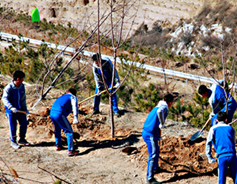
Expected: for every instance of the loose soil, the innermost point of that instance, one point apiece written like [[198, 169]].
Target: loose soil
[[102, 159]]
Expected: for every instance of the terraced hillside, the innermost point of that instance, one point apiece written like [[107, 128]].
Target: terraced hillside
[[83, 12]]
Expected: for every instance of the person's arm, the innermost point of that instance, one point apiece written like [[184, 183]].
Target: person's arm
[[213, 101], [74, 103], [209, 146], [161, 115], [98, 81], [6, 96]]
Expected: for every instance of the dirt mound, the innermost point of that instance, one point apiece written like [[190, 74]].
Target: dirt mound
[[181, 154], [178, 155]]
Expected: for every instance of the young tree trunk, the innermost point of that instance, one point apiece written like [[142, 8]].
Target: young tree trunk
[[111, 115]]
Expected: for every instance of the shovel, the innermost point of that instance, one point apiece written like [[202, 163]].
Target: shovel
[[199, 133]]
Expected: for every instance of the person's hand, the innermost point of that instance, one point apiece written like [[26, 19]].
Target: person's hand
[[212, 160], [161, 126], [117, 85], [98, 93], [75, 120], [14, 110]]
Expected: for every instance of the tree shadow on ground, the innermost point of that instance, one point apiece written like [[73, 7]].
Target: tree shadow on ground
[[188, 174], [120, 142], [43, 144]]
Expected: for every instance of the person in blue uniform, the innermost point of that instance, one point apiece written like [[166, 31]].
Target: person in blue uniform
[[59, 111], [107, 67], [218, 101], [151, 134], [14, 99], [222, 136]]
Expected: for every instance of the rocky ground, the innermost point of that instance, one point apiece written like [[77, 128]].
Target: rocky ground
[[102, 159]]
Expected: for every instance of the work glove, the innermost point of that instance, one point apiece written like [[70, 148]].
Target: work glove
[[98, 93], [211, 115], [161, 126], [212, 160], [116, 85], [14, 110], [75, 120]]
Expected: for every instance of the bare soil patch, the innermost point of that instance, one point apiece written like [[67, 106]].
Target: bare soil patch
[[102, 159]]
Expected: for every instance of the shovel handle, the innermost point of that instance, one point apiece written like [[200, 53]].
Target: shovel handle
[[205, 125], [24, 112], [93, 96], [232, 122]]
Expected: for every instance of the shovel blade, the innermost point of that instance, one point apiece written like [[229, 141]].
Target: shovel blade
[[196, 135]]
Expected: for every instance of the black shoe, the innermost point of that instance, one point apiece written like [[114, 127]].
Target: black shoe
[[157, 170], [23, 141], [95, 112], [117, 114], [152, 181]]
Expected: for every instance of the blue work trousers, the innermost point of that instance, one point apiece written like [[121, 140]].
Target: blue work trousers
[[153, 151], [223, 164], [13, 118], [114, 101], [61, 122]]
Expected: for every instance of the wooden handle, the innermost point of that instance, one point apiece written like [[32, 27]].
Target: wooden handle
[[21, 112], [205, 125], [24, 112], [93, 96]]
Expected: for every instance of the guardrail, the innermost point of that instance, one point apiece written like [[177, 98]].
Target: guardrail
[[187, 76]]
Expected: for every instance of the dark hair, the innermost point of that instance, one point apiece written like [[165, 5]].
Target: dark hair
[[202, 89], [168, 97], [18, 74], [73, 91], [96, 57], [222, 116]]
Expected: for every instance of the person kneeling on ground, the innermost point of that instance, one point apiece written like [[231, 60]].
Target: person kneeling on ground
[[222, 136], [59, 111], [152, 134]]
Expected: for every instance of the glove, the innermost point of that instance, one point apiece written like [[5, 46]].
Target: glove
[[161, 126], [211, 115], [75, 120], [14, 110], [117, 85], [98, 93], [212, 160]]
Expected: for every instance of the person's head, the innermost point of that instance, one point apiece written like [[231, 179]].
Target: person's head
[[169, 98], [203, 91], [18, 77], [222, 116], [72, 91], [96, 58]]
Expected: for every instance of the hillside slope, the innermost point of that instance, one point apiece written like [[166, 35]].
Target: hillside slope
[[81, 12]]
